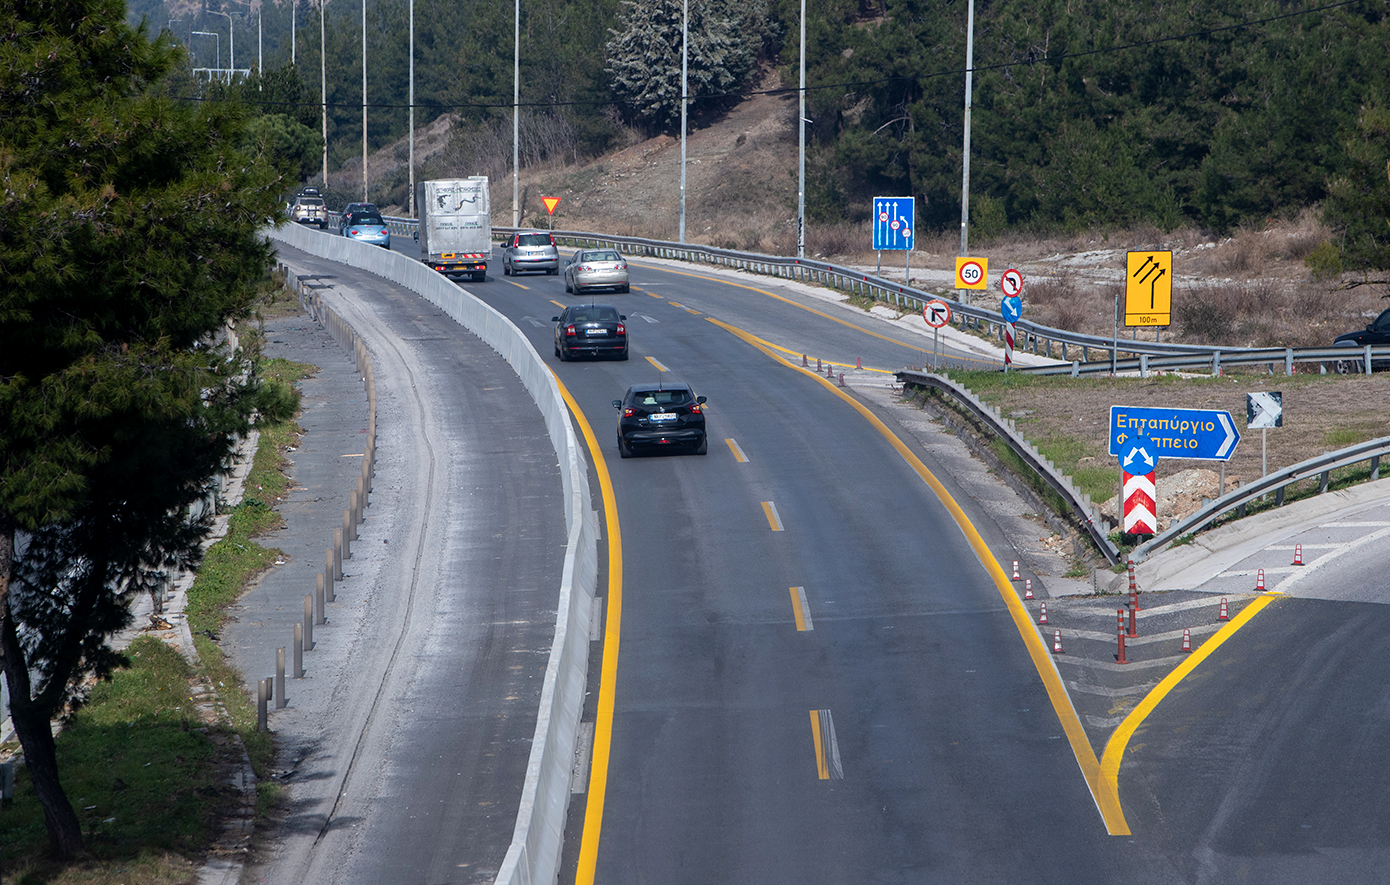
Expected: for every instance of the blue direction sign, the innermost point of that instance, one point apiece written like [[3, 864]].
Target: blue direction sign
[[1173, 433], [1011, 308], [893, 223]]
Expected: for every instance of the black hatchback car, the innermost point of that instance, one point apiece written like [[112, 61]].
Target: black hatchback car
[[658, 416], [592, 330]]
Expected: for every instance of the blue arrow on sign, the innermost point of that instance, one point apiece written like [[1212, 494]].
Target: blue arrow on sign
[[1011, 308], [1173, 433]]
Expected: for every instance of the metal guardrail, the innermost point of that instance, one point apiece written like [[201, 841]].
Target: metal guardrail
[[1029, 336], [1344, 359], [1084, 510], [1321, 467]]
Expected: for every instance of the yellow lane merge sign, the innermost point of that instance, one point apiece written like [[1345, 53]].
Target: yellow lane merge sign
[[1149, 289]]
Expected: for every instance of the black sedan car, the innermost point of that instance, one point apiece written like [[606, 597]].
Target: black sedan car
[[660, 416], [590, 330]]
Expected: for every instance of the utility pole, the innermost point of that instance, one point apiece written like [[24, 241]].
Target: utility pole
[[685, 47]]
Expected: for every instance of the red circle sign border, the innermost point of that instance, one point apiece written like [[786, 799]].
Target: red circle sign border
[[927, 313]]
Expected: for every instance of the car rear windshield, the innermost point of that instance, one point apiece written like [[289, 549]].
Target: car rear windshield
[[595, 315], [662, 397], [364, 218], [534, 240], [603, 256], [310, 201]]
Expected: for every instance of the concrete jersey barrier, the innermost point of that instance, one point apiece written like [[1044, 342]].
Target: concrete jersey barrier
[[537, 840]]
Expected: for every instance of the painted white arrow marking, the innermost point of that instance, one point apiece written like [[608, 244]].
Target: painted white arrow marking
[[1230, 434]]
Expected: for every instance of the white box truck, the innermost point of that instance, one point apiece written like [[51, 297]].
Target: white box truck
[[455, 230]]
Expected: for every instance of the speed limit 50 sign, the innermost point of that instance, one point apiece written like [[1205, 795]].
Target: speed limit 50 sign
[[972, 273]]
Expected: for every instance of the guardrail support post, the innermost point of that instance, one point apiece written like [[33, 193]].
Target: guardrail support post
[[1143, 365], [1288, 361], [1375, 468]]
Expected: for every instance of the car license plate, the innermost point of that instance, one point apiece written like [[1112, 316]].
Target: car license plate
[[596, 332], [663, 416]]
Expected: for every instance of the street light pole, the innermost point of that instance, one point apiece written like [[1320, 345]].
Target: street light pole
[[323, 89], [685, 47], [412, 109], [965, 173], [364, 101], [516, 122], [801, 148]]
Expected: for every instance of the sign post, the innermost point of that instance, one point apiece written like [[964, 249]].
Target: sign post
[[937, 313], [894, 228], [1264, 410], [1139, 491]]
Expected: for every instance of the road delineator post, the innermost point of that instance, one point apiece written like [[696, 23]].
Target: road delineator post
[[1017, 576], [1186, 639], [858, 362], [842, 379], [804, 364], [1133, 587], [1260, 581], [1133, 627], [1042, 613], [819, 367], [1225, 614], [1028, 588], [1120, 635], [1298, 554], [1056, 642]]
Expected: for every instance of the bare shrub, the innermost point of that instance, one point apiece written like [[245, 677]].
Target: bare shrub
[[1304, 234], [1203, 314], [836, 240], [1049, 290], [1245, 252]]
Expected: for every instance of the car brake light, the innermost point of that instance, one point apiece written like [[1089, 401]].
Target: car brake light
[[569, 331], [695, 409], [622, 330], [628, 413], [352, 232]]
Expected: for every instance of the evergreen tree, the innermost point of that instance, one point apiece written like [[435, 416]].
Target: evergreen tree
[[1358, 203], [128, 239], [644, 56]]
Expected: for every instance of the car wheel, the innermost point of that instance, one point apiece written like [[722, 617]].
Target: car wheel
[[553, 271], [506, 269], [567, 285], [625, 288], [323, 225], [703, 447], [623, 450], [623, 355], [479, 277], [560, 352]]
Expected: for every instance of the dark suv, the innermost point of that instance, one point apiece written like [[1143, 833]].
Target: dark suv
[[1377, 333], [659, 416]]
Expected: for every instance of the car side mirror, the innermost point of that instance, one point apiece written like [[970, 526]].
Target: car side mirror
[[617, 404], [555, 319], [622, 316], [701, 400]]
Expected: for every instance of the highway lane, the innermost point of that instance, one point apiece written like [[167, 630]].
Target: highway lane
[[956, 771], [907, 730]]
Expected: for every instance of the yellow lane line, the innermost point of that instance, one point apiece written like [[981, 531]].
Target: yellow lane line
[[608, 674], [738, 452], [822, 769], [518, 285], [659, 366], [1115, 747], [801, 611], [770, 510], [1105, 794], [560, 304]]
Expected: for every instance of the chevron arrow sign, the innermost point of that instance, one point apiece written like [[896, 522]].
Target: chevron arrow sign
[[1141, 504]]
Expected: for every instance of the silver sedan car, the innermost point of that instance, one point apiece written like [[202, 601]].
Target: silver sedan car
[[592, 269]]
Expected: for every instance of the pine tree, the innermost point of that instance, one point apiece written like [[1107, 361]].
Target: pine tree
[[128, 239], [644, 57]]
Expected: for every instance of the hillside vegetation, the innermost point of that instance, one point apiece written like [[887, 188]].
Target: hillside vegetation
[[1085, 114]]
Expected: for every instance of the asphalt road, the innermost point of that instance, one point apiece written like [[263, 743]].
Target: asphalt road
[[903, 734], [406, 746]]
